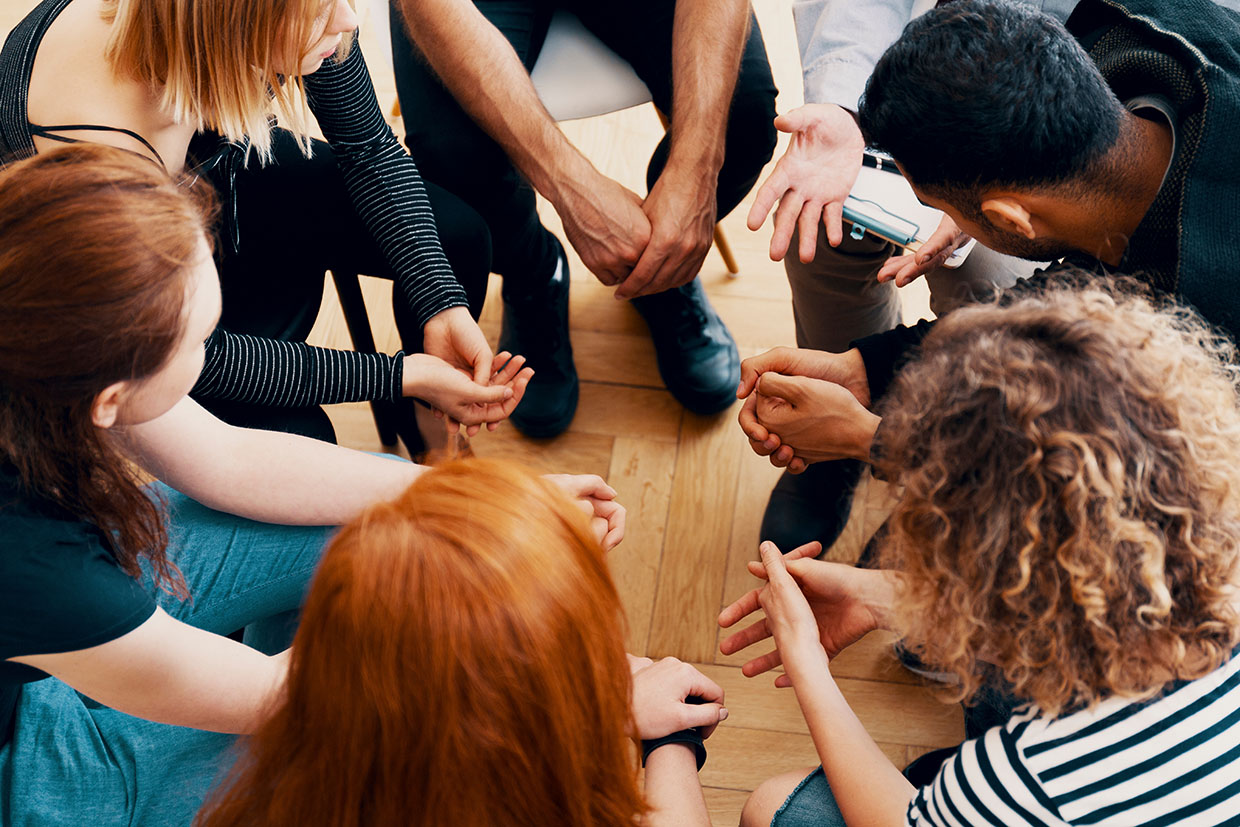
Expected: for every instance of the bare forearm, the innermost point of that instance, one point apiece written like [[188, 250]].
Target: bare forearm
[[707, 41], [262, 475], [673, 791], [868, 789], [483, 72]]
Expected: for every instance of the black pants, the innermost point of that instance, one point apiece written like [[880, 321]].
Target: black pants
[[450, 148], [295, 221]]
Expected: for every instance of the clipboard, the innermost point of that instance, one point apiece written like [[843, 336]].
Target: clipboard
[[883, 204]]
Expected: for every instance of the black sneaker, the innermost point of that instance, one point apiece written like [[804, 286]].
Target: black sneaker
[[536, 327], [697, 355], [812, 505]]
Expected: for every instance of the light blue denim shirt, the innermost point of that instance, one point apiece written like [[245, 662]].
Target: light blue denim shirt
[[841, 40]]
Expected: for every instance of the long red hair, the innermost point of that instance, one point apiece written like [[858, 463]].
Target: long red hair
[[460, 661], [96, 245]]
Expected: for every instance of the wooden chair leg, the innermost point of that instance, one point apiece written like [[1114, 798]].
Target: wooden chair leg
[[725, 250], [357, 320]]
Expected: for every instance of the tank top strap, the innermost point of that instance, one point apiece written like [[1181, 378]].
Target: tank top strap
[[50, 132]]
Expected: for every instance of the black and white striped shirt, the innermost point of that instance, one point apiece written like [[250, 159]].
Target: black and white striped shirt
[[1171, 760]]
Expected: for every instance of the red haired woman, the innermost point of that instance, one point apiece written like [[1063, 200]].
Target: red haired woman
[[460, 661], [196, 86], [119, 590], [1068, 529]]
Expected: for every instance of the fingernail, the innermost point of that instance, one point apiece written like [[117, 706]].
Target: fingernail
[[508, 393], [723, 714], [771, 444]]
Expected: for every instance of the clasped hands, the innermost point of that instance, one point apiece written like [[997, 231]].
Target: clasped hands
[[804, 406], [642, 246]]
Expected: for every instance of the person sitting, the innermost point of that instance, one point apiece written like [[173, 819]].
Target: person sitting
[[461, 661], [195, 87], [1068, 531], [1108, 144], [118, 685], [486, 136]]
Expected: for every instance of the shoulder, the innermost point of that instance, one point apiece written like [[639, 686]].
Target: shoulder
[[60, 587]]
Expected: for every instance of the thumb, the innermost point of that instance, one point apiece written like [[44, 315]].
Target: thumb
[[785, 387], [490, 394], [703, 715], [791, 121]]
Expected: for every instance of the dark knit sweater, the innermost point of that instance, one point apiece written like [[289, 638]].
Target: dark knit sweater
[[1188, 52]]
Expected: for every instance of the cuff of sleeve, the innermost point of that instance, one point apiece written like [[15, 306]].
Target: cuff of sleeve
[[836, 81], [397, 388], [885, 353], [449, 295]]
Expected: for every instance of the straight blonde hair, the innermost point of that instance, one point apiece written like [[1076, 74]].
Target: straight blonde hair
[[215, 61]]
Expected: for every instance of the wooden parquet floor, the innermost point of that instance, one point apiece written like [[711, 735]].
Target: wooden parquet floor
[[694, 492]]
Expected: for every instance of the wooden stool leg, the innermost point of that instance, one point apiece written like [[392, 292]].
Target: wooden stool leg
[[725, 250], [357, 320]]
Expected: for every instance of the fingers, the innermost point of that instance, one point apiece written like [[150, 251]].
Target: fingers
[[641, 275], [788, 388], [833, 221], [757, 433], [743, 606], [810, 549], [613, 516], [762, 663], [807, 225], [785, 222], [773, 561], [751, 634], [703, 717], [767, 195], [505, 367]]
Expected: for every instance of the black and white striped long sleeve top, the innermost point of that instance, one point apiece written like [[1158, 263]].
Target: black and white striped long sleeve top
[[389, 196], [1173, 760]]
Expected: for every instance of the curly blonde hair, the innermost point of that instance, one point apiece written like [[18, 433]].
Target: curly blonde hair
[[1070, 508]]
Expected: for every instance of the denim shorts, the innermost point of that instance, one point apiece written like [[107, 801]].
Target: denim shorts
[[811, 804]]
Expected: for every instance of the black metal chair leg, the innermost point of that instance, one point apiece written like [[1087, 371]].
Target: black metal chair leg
[[357, 320]]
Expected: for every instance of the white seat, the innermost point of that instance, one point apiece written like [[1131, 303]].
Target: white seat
[[577, 76]]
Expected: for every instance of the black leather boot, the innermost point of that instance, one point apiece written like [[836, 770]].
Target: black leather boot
[[812, 505], [536, 327], [697, 355]]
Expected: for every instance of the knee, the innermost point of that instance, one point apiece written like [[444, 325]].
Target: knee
[[765, 801], [751, 123]]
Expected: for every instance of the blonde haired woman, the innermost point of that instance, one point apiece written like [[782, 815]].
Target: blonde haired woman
[[191, 85]]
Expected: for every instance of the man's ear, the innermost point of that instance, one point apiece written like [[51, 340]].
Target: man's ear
[[1010, 214], [107, 405]]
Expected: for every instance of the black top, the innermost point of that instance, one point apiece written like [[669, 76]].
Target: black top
[[1184, 53], [387, 192], [60, 588]]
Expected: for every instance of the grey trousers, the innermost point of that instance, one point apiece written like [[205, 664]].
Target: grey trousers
[[836, 297]]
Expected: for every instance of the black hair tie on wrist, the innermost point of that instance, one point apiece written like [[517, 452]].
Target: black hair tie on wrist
[[691, 737]]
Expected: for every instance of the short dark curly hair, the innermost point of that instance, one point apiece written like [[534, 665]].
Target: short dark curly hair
[[979, 93]]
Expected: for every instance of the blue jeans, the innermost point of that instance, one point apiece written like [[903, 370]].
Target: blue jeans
[[812, 804], [72, 761]]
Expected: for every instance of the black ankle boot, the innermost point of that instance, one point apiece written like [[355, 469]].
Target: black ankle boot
[[696, 353], [536, 327]]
